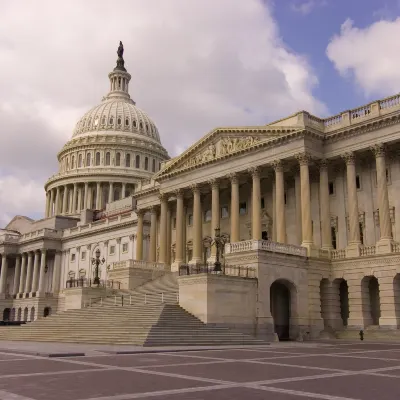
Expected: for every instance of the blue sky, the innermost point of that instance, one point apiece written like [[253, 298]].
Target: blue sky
[[308, 30]]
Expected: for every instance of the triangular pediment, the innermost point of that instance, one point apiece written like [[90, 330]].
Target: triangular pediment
[[219, 144], [20, 224]]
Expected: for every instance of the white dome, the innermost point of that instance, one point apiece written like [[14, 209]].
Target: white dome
[[117, 115]]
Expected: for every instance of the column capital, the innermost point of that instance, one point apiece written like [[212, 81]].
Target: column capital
[[303, 158], [214, 183], [43, 251], [349, 158], [322, 164], [378, 149], [140, 212], [254, 171], [233, 177], [277, 165], [162, 196], [195, 188]]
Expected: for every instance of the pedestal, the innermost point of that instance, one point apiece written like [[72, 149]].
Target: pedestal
[[384, 246], [353, 250]]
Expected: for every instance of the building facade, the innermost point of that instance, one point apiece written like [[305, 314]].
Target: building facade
[[310, 204]]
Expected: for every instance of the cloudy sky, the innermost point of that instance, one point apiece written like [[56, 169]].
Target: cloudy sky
[[195, 65]]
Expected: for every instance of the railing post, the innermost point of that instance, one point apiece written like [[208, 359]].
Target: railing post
[[130, 299]]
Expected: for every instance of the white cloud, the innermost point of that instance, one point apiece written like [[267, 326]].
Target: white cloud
[[369, 57], [307, 6], [195, 65]]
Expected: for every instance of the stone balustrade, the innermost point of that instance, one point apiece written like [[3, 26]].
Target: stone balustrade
[[367, 251], [266, 245], [6, 238], [140, 264]]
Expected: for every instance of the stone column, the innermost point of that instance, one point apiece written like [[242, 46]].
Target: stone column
[[17, 274], [256, 205], [387, 295], [297, 190], [89, 203], [56, 273], [65, 201], [73, 205], [139, 235], [111, 193], [163, 228], [197, 226], [85, 196], [235, 225], [3, 274], [28, 283], [153, 235], [326, 236], [47, 209], [22, 278], [42, 271], [169, 238], [306, 221], [35, 276], [215, 213], [353, 247], [179, 231], [123, 190], [79, 203], [184, 244], [98, 196], [280, 202], [57, 205], [385, 240], [51, 206]]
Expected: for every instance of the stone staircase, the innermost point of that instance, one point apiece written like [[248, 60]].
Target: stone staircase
[[143, 320]]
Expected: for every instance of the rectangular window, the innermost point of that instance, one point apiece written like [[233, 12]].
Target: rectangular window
[[331, 187], [83, 255], [124, 247], [73, 257], [262, 202], [190, 219], [224, 212], [112, 250], [333, 234], [242, 208], [358, 182]]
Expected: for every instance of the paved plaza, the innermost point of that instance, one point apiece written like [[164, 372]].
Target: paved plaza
[[281, 371]]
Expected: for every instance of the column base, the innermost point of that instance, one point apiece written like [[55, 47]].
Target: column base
[[388, 322], [384, 246], [312, 250], [194, 261], [175, 266], [353, 250]]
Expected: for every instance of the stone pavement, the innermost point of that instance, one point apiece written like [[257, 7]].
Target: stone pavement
[[282, 371]]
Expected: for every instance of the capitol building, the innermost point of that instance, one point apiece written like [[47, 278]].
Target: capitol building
[[288, 230]]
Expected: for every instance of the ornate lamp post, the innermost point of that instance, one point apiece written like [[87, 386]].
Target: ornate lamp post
[[218, 242], [96, 261]]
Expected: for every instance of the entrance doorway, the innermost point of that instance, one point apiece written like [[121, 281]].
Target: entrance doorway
[[47, 312], [6, 314], [280, 303]]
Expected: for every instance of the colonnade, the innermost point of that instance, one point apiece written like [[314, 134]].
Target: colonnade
[[73, 198], [29, 273], [305, 219]]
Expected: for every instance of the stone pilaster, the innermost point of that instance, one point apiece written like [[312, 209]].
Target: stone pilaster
[[153, 235], [43, 271], [139, 235], [35, 276], [197, 226], [163, 228], [22, 278], [256, 204], [353, 246], [3, 274], [326, 236], [235, 225], [388, 299], [17, 274], [280, 202]]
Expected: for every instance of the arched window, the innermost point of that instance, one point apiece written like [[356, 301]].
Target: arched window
[[118, 159], [128, 160], [147, 128], [141, 126], [72, 162], [134, 124], [146, 164], [97, 158], [108, 158], [153, 168], [111, 121], [88, 159], [80, 161], [103, 120], [127, 122], [119, 121], [138, 161]]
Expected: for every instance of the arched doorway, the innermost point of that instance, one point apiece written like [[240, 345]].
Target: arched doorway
[[371, 300], [281, 307], [46, 311], [6, 314], [344, 301], [26, 314]]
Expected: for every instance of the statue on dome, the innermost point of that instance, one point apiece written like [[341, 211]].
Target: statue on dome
[[120, 50]]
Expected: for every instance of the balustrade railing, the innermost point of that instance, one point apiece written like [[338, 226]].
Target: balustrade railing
[[266, 245], [338, 254], [140, 264], [367, 251], [389, 102], [84, 282], [228, 270]]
